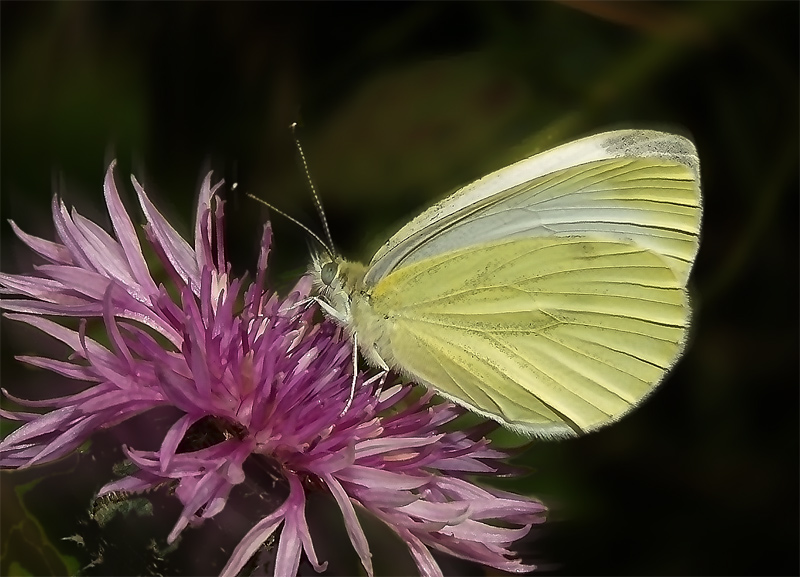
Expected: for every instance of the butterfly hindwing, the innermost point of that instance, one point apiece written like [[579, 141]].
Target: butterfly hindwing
[[543, 334]]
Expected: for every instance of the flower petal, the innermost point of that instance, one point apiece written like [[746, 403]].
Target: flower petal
[[251, 542], [177, 250], [126, 233], [52, 251], [351, 523]]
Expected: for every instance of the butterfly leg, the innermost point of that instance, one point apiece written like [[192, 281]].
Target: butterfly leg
[[382, 376], [355, 375], [384, 370], [373, 378], [305, 303], [330, 311], [300, 304]]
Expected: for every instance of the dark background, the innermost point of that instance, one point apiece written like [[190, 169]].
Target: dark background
[[399, 103]]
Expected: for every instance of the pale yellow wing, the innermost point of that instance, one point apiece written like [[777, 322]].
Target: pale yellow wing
[[633, 185], [545, 335]]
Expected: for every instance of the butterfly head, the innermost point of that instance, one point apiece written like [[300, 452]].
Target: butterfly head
[[336, 281]]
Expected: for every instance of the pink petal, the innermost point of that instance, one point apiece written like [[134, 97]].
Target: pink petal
[[255, 537], [69, 235], [353, 527], [52, 251], [126, 233], [177, 250]]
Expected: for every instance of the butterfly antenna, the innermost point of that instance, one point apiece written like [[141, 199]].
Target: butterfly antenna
[[310, 232], [314, 195]]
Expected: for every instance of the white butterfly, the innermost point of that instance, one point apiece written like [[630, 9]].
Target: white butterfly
[[549, 296]]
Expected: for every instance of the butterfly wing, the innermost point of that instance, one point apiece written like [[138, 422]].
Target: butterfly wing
[[545, 335], [633, 186]]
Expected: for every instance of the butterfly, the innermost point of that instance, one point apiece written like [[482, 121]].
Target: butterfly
[[550, 295]]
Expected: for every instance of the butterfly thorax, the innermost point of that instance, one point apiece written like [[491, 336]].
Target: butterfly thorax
[[344, 298], [336, 281]]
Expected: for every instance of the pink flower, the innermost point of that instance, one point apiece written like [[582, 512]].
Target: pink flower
[[276, 379]]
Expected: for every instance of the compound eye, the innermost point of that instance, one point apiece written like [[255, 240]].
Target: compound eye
[[329, 272]]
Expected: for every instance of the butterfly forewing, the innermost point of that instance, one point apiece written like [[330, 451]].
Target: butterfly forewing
[[652, 200]]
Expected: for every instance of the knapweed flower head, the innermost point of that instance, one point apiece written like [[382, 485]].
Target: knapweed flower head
[[219, 347]]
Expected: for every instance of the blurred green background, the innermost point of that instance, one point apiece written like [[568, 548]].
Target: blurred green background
[[399, 103]]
